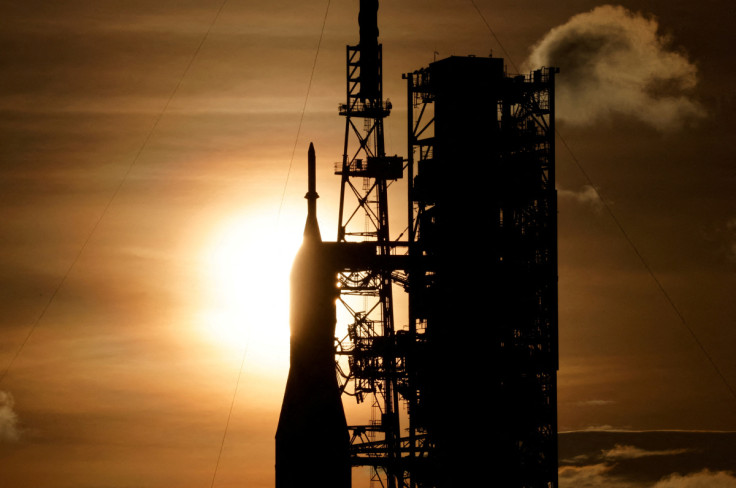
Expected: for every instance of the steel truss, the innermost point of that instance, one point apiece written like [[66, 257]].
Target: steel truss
[[507, 148], [370, 345], [515, 204]]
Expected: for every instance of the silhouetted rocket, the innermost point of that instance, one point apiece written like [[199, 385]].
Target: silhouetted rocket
[[312, 436]]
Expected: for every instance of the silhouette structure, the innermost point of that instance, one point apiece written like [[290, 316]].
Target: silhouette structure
[[475, 367], [481, 375], [312, 436], [367, 288]]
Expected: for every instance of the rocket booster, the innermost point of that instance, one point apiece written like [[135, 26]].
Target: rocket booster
[[312, 436]]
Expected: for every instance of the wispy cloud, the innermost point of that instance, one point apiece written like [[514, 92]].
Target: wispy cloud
[[647, 459], [595, 403], [731, 237], [586, 195], [600, 476], [592, 476], [703, 479], [633, 452], [8, 418], [600, 428], [613, 60], [722, 236]]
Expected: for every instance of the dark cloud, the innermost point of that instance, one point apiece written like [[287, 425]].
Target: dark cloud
[[648, 459]]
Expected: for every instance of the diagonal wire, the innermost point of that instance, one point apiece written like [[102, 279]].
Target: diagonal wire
[[304, 109], [649, 270], [508, 57], [230, 413], [111, 199], [283, 194]]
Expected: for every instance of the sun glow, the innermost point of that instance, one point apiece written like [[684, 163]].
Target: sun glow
[[247, 267]]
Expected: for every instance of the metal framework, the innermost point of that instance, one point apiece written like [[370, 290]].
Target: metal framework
[[479, 265], [483, 281], [372, 365]]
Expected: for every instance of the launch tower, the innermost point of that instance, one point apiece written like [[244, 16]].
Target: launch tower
[[464, 388], [373, 368], [483, 279], [473, 372]]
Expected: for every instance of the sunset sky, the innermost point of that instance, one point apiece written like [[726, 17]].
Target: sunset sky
[[149, 216]]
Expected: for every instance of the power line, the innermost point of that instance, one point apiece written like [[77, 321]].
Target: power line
[[230, 413], [649, 270], [304, 109], [500, 44], [112, 197], [283, 194]]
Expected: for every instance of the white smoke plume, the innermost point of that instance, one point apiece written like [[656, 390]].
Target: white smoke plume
[[8, 418], [613, 60]]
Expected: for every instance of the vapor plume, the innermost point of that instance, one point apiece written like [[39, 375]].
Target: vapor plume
[[8, 418], [612, 61]]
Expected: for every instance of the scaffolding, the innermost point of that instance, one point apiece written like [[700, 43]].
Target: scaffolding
[[478, 264], [483, 281], [370, 344]]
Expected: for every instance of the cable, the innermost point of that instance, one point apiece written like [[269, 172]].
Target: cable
[[304, 109], [508, 57], [112, 198], [283, 194], [649, 270], [230, 413]]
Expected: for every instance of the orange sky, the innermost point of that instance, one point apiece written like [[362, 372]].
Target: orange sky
[[128, 377]]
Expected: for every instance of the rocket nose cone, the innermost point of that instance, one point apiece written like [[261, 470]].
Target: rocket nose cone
[[311, 229]]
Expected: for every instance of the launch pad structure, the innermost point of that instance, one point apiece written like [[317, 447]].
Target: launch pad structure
[[464, 388]]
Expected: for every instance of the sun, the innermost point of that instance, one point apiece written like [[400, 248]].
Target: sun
[[247, 268]]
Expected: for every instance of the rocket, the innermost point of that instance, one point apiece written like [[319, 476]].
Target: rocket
[[312, 436]]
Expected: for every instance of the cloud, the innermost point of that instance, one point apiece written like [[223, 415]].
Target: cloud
[[599, 428], [612, 60], [703, 479], [647, 459], [8, 419], [579, 459], [587, 195], [595, 403], [583, 476], [731, 238], [600, 476], [632, 452], [723, 238]]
